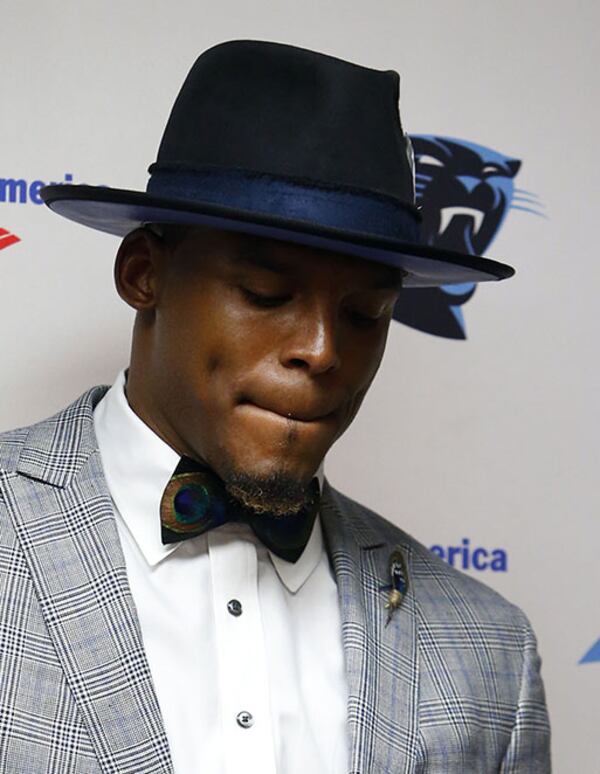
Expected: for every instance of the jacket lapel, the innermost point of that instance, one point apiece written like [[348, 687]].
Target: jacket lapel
[[64, 520], [381, 661]]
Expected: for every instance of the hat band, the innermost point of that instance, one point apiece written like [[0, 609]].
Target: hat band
[[275, 197]]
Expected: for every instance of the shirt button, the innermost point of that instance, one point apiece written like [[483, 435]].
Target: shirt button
[[235, 608], [244, 719]]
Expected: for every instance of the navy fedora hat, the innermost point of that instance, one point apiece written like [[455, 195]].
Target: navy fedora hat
[[290, 144]]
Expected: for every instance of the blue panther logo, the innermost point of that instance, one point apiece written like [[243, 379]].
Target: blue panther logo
[[466, 191]]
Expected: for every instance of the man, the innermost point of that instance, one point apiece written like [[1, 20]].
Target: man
[[181, 589]]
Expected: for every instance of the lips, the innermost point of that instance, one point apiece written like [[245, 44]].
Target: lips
[[290, 411]]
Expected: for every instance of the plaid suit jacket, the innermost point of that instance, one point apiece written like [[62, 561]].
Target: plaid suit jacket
[[451, 685]]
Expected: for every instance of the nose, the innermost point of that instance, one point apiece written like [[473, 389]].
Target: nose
[[313, 344]]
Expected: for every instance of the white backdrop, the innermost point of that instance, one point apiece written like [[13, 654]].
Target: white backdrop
[[494, 439]]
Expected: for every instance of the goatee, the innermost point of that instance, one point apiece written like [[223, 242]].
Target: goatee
[[277, 494]]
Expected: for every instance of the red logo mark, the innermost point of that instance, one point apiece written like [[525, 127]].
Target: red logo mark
[[7, 239]]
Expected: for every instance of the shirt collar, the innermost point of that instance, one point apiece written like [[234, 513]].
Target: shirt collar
[[138, 464]]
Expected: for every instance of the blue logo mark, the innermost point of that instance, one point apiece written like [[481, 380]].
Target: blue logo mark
[[466, 191], [593, 654], [466, 557]]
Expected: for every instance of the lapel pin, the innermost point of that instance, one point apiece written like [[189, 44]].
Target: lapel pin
[[399, 583]]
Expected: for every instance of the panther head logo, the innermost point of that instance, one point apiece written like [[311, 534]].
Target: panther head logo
[[465, 191]]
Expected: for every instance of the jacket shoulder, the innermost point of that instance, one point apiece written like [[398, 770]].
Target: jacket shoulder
[[55, 434]]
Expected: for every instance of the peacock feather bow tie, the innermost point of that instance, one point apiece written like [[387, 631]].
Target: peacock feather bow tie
[[195, 501]]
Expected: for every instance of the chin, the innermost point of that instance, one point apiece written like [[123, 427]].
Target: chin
[[269, 485]]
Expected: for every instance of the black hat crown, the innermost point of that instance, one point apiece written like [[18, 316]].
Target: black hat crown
[[265, 108]]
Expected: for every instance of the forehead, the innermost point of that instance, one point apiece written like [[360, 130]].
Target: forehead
[[285, 258]]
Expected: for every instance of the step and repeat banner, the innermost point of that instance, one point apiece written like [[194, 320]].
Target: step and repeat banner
[[481, 433]]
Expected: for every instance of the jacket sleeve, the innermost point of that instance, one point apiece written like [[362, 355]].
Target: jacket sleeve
[[529, 749]]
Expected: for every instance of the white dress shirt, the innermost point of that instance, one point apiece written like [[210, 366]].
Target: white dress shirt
[[263, 691]]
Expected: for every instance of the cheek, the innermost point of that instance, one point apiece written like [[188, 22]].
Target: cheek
[[186, 360], [213, 363], [363, 360], [363, 357], [209, 352]]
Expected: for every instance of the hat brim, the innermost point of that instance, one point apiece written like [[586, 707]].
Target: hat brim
[[119, 211]]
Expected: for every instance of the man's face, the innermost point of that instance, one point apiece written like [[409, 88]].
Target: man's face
[[260, 352]]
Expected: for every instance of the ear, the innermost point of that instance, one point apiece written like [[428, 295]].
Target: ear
[[137, 269]]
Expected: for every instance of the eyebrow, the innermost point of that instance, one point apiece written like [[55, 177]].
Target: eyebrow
[[253, 257]]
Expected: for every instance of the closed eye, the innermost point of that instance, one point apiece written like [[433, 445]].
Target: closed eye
[[263, 301], [362, 320]]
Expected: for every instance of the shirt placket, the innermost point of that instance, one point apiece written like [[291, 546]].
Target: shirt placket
[[248, 741]]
